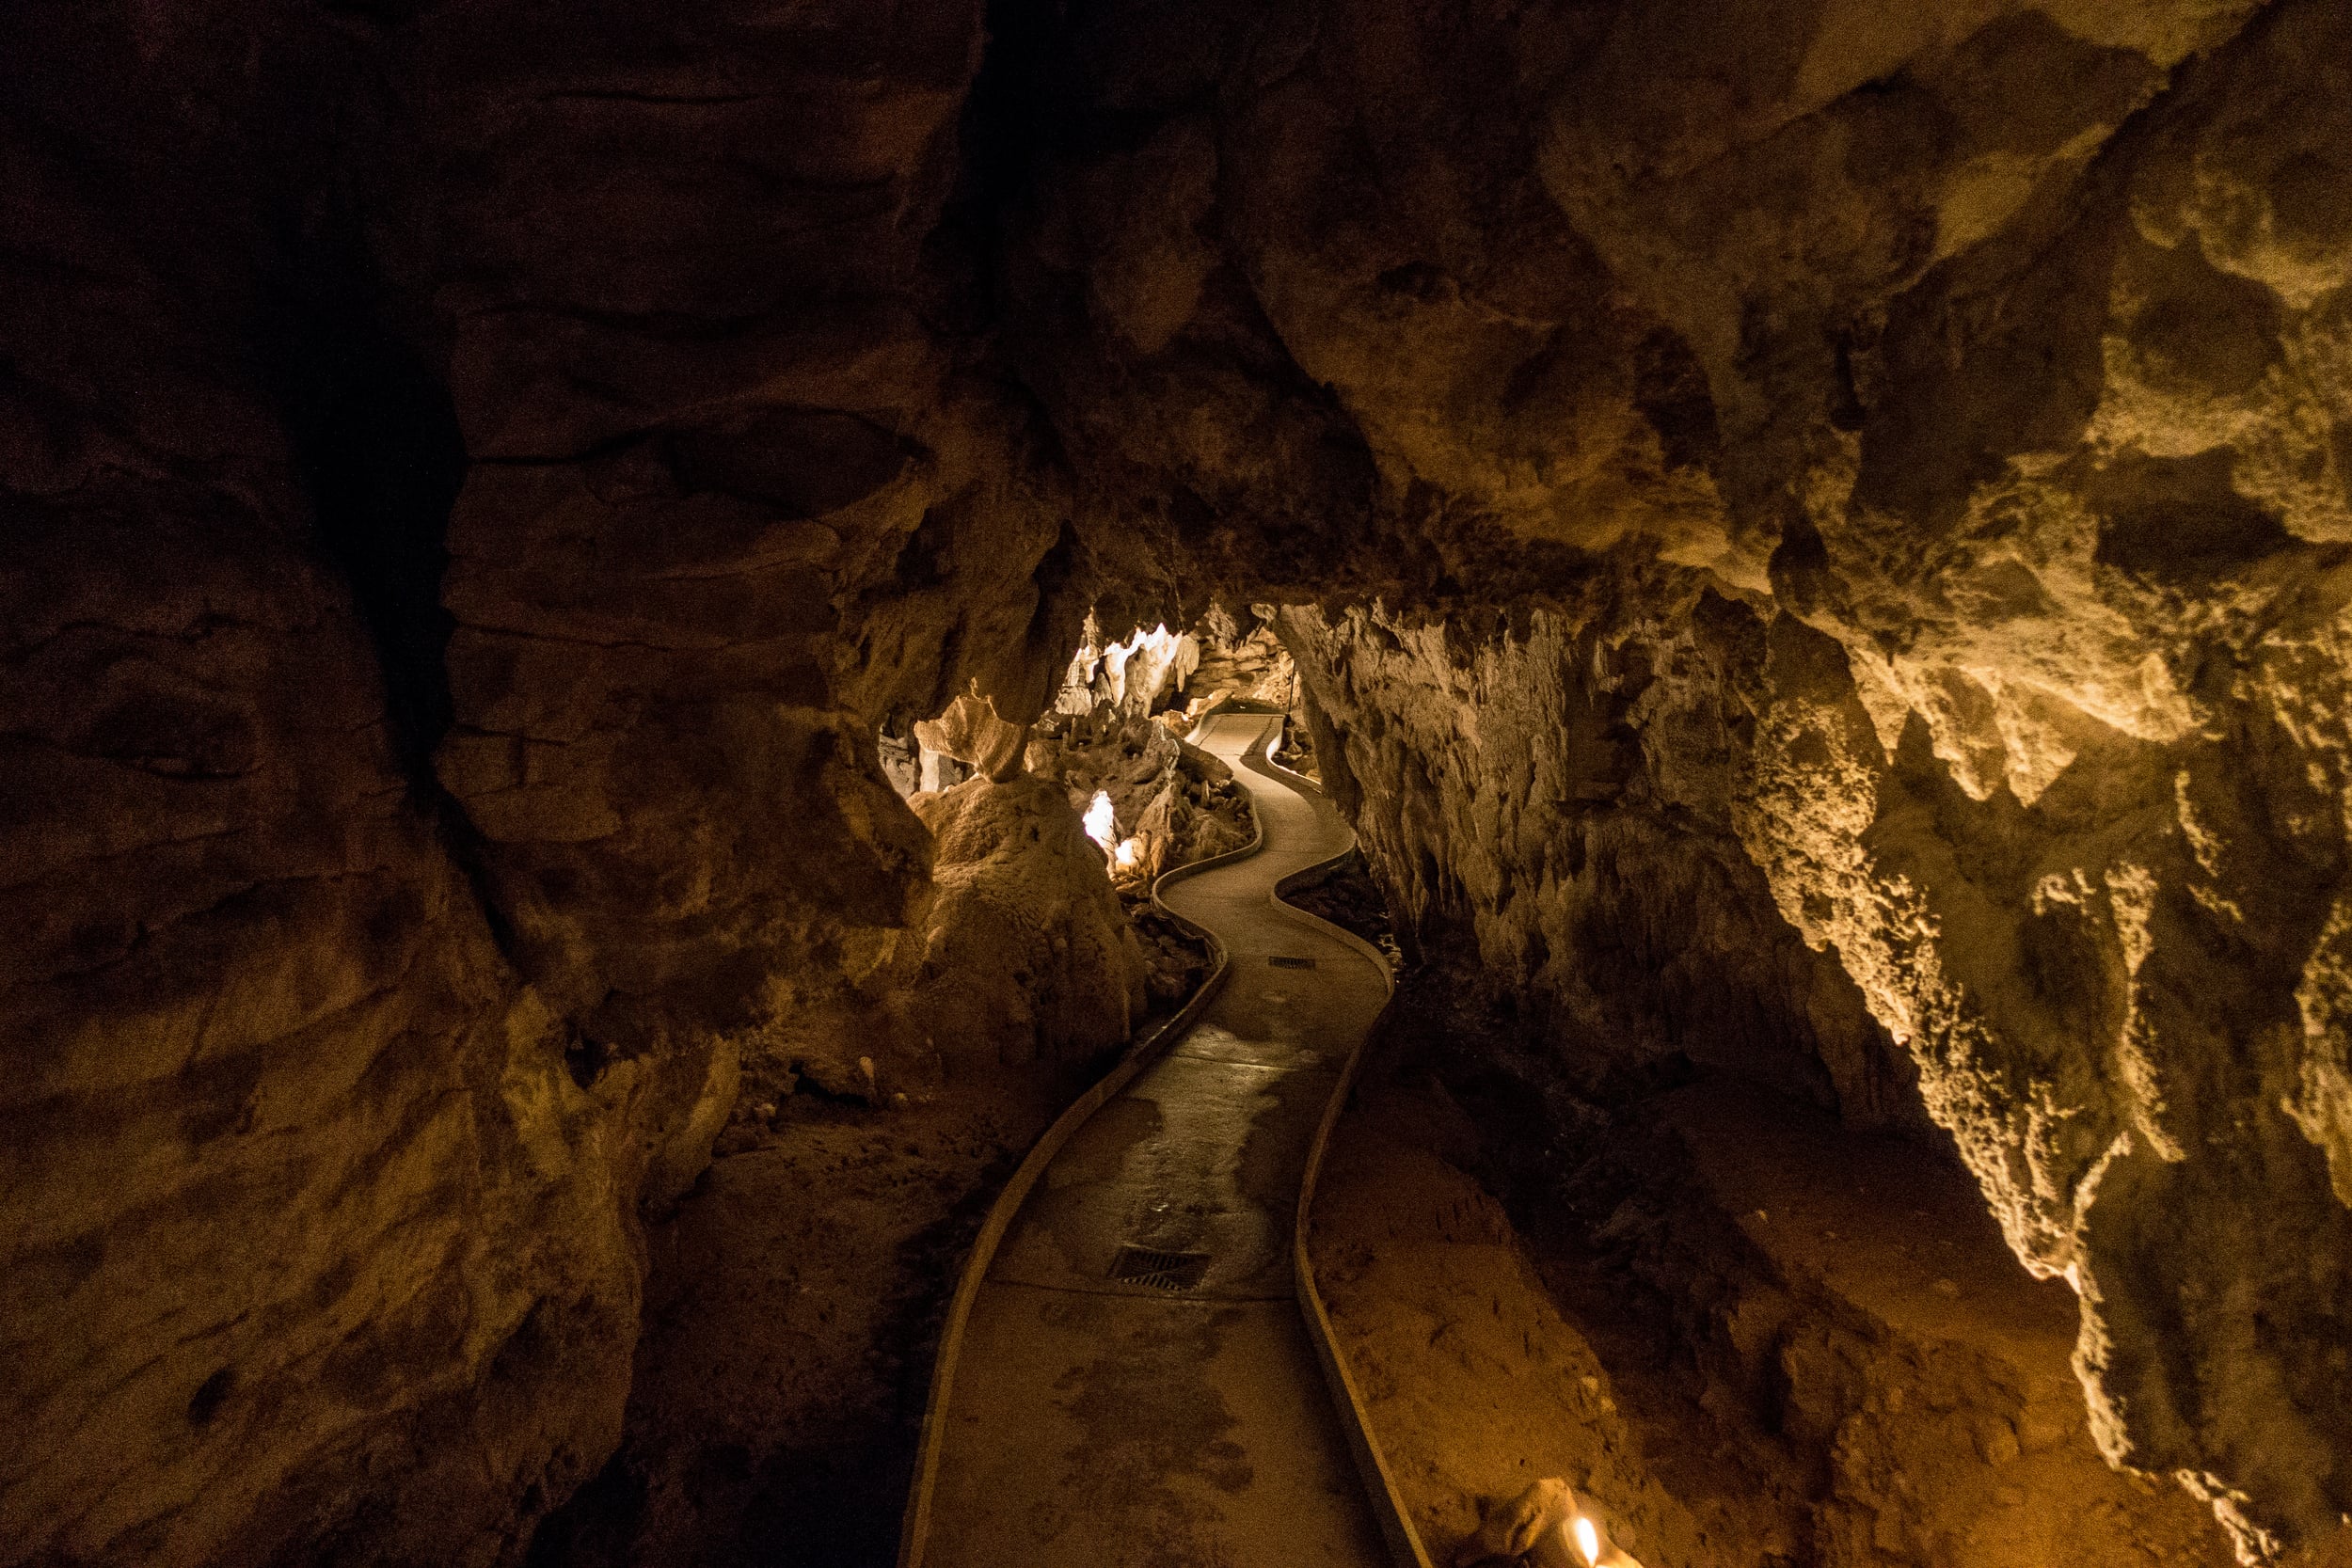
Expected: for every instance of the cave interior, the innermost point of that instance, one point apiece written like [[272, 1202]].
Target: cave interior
[[611, 615]]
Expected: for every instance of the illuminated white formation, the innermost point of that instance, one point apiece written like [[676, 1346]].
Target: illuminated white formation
[[1132, 674], [1101, 821]]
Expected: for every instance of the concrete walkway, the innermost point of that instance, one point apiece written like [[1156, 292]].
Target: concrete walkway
[[1135, 1388]]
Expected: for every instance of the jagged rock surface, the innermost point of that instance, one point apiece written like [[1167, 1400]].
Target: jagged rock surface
[[1611, 835], [1016, 952], [304, 1206], [1177, 802], [1028, 953], [971, 733], [1994, 360], [1552, 816], [1252, 665], [376, 956]]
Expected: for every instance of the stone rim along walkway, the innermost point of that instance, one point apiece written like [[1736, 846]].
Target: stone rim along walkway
[[1096, 1421]]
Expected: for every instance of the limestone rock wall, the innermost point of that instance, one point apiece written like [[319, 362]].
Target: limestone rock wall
[[306, 1214], [730, 500], [1552, 812], [1017, 953], [1251, 664], [302, 1206], [474, 476], [1614, 815], [1617, 822], [1028, 952]]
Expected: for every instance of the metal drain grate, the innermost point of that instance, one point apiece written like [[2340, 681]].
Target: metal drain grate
[[1281, 962], [1162, 1271]]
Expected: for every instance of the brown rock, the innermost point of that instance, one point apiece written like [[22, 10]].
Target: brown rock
[[1026, 953], [1811, 526], [971, 733]]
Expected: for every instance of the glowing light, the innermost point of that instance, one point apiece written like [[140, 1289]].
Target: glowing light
[[1587, 1539], [1125, 855], [1102, 824]]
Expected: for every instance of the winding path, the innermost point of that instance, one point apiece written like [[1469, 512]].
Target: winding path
[[1094, 1419]]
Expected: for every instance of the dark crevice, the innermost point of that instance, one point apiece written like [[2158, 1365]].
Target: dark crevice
[[817, 1092], [377, 446], [209, 1397], [1009, 115], [586, 1059], [376, 441]]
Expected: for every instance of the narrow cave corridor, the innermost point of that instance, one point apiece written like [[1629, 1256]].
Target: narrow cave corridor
[[1027, 781], [1133, 1363]]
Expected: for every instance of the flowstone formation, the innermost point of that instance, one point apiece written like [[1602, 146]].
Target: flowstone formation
[[1555, 817]]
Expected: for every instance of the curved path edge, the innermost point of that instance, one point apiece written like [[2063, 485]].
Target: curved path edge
[[915, 1530], [1387, 1502], [1396, 1528]]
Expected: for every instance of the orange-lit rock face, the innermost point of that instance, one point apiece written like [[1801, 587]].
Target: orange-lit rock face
[[298, 1189], [1555, 811], [1026, 951], [1623, 822], [476, 474], [2015, 417]]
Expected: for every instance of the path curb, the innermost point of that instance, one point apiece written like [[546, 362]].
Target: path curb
[[1387, 1502]]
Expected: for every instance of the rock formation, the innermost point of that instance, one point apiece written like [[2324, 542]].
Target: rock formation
[[1554, 814], [1816, 534], [475, 478], [971, 733], [1177, 802], [1979, 375], [1027, 950], [1252, 665]]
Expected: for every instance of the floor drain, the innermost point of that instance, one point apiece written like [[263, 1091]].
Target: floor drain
[[1281, 962], [1162, 1271]]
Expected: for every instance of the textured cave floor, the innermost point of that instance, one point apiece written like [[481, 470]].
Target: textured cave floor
[[1915, 1405], [792, 1306]]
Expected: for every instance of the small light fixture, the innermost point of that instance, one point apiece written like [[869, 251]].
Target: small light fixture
[[1593, 1546], [1548, 1526], [1594, 1549]]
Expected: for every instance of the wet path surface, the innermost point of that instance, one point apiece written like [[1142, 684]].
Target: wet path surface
[[1136, 1385]]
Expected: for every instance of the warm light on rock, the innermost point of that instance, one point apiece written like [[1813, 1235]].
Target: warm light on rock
[[598, 628]]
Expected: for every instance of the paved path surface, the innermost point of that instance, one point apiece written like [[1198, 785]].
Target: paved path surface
[[1098, 1422]]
